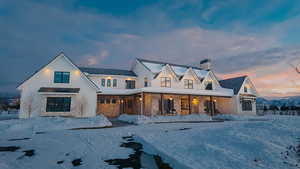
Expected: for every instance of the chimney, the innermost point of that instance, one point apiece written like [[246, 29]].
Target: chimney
[[205, 64]]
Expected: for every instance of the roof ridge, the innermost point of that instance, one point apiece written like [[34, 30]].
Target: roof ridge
[[83, 67], [244, 76], [171, 64]]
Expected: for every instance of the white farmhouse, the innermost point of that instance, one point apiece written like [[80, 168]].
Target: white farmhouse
[[61, 88]]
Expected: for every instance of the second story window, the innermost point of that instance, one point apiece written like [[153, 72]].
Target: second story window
[[61, 77], [245, 89], [115, 83], [108, 83], [145, 82], [103, 82], [188, 84], [130, 84], [165, 82], [209, 86]]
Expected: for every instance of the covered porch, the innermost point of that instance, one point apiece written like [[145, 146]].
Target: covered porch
[[149, 104]]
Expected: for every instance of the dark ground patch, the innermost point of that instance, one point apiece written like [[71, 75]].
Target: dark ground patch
[[10, 148], [29, 153], [185, 129], [134, 160], [77, 162], [40, 132], [60, 162], [19, 139]]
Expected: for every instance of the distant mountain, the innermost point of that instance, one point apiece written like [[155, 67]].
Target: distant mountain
[[289, 101]]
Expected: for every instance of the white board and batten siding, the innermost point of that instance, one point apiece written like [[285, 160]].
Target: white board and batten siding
[[33, 103]]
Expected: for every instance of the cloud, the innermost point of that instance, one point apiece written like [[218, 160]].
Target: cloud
[[32, 32]]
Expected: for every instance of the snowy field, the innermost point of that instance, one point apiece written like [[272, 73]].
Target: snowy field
[[255, 142]]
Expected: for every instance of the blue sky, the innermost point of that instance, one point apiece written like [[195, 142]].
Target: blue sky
[[241, 36]]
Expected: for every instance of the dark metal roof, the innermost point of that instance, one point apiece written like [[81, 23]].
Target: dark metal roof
[[107, 71], [233, 83], [59, 90], [164, 63]]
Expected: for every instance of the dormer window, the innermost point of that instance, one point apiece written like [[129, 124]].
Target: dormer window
[[145, 82], [130, 84], [209, 86], [165, 82], [245, 89], [188, 84], [61, 77]]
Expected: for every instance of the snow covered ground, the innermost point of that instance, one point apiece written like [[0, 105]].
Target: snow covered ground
[[39, 124], [267, 143], [140, 119]]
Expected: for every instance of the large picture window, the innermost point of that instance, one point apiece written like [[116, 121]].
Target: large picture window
[[188, 84], [130, 84], [165, 82], [246, 105], [61, 77], [58, 104]]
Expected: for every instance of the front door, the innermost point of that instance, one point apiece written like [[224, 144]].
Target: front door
[[169, 106]]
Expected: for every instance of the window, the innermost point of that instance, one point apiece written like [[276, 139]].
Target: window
[[129, 104], [58, 104], [246, 105], [61, 77], [115, 83], [107, 101], [130, 84], [145, 82], [188, 84], [113, 101], [245, 89], [165, 82], [209, 86], [102, 100], [108, 83], [103, 82]]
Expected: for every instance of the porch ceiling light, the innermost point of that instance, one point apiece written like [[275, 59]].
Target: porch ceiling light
[[170, 98]]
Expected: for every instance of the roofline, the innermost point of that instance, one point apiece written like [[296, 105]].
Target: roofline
[[107, 69], [245, 76], [171, 64], [71, 62]]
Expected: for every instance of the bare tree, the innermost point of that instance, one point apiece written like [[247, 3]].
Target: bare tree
[[81, 105], [28, 106]]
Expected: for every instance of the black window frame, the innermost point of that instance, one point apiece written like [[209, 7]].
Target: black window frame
[[245, 89], [145, 82], [58, 104], [246, 105], [115, 83], [209, 86], [165, 82], [103, 82], [61, 77], [102, 100], [130, 84], [113, 101], [188, 84], [108, 82]]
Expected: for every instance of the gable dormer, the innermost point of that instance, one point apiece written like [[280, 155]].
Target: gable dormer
[[210, 82]]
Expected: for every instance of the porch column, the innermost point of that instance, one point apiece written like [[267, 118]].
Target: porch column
[[142, 103], [189, 97], [161, 104], [211, 105]]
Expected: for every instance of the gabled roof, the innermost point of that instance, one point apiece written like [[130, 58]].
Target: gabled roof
[[107, 71], [156, 66], [70, 61], [233, 83], [165, 63]]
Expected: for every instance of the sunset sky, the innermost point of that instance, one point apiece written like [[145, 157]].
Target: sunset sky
[[259, 38]]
